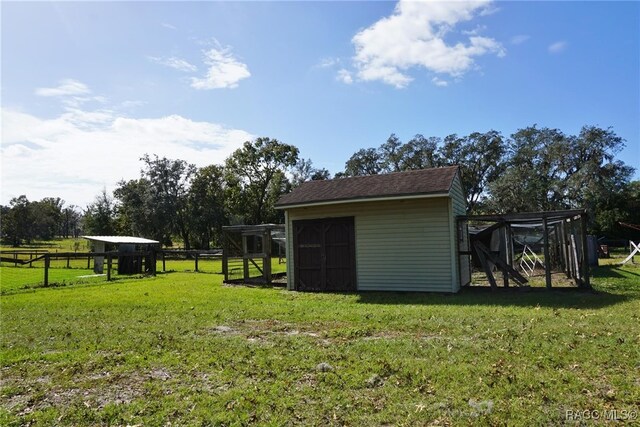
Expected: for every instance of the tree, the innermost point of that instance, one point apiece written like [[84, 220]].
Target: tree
[[420, 153], [71, 218], [256, 176], [548, 170], [99, 217], [390, 155], [17, 221], [136, 212], [47, 217], [534, 179], [169, 182], [206, 209], [479, 156], [304, 171], [365, 161]]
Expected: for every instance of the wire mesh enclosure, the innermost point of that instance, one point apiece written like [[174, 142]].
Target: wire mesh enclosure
[[253, 253], [550, 248]]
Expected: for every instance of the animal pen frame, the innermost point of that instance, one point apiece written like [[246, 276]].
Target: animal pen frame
[[248, 251], [523, 245]]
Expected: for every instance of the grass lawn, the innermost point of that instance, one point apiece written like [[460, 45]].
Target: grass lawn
[[182, 348]]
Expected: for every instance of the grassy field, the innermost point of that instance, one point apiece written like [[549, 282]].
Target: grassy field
[[183, 349]]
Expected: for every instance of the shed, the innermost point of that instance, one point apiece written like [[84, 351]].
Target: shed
[[125, 244], [390, 232]]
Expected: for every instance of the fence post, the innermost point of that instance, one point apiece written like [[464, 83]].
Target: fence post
[[88, 262], [46, 270], [164, 263], [68, 260], [196, 262], [108, 267]]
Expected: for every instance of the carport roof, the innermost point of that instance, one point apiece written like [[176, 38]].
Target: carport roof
[[424, 182], [121, 240]]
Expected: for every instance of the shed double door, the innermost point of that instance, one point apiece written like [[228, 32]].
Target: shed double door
[[324, 254]]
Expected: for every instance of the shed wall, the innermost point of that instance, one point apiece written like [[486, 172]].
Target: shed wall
[[402, 245], [459, 207]]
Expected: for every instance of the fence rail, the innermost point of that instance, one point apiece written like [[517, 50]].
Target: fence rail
[[151, 258]]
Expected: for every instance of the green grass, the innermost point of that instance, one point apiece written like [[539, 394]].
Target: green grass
[[182, 348], [17, 278]]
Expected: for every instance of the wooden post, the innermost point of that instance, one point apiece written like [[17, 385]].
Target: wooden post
[[30, 258], [225, 255], [88, 262], [563, 249], [266, 261], [585, 252], [108, 267], [547, 261], [164, 262], [68, 260], [487, 269], [575, 265], [245, 260], [46, 270], [502, 253], [196, 258]]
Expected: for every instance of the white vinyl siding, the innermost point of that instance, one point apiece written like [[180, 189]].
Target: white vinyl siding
[[459, 207], [401, 245]]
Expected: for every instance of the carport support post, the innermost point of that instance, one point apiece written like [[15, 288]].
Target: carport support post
[[547, 260], [98, 260], [585, 282]]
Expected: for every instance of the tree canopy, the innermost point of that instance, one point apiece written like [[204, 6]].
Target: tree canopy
[[534, 169]]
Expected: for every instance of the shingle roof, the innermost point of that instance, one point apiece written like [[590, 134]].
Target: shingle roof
[[419, 182]]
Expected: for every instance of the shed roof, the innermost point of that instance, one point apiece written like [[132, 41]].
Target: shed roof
[[121, 240], [433, 181]]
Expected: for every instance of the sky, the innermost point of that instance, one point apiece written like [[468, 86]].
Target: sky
[[88, 88]]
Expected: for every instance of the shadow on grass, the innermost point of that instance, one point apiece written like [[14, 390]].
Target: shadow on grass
[[517, 297], [613, 284], [613, 271]]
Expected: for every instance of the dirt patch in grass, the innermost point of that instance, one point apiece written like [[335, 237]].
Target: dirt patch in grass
[[95, 390]]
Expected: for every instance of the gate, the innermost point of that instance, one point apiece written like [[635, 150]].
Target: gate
[[324, 254]]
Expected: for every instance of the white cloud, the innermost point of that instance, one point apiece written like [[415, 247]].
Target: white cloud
[[225, 71], [344, 76], [477, 30], [168, 26], [519, 39], [176, 63], [328, 62], [74, 155], [66, 87], [439, 82], [557, 47], [414, 36]]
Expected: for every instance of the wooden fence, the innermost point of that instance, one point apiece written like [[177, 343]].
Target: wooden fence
[[112, 258]]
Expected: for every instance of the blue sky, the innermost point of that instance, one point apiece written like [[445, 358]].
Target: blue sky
[[88, 88]]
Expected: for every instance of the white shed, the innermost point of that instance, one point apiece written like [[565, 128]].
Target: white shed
[[391, 232]]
